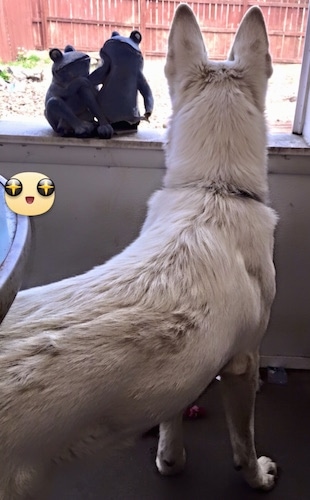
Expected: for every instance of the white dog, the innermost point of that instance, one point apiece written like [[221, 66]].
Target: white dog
[[96, 360]]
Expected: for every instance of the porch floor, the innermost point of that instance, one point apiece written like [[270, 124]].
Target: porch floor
[[282, 432]]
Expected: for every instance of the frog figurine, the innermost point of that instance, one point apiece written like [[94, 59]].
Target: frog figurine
[[70, 104], [121, 77]]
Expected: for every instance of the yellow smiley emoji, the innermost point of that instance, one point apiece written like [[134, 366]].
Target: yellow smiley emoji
[[29, 193]]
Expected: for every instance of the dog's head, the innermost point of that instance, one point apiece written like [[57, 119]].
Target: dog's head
[[187, 60], [217, 106]]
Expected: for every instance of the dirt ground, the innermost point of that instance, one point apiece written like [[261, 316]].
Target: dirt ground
[[26, 98]]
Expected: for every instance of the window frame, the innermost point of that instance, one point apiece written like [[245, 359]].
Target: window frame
[[301, 123]]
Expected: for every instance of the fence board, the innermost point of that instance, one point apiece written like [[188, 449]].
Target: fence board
[[86, 24], [16, 32]]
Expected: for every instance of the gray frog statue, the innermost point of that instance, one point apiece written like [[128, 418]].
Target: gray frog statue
[[76, 106]]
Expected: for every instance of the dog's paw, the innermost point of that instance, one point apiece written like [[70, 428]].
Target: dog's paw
[[266, 474], [171, 466], [268, 470]]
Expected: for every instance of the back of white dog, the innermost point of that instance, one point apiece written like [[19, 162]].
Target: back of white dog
[[102, 357]]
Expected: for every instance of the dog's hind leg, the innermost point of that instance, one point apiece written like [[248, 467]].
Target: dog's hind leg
[[239, 381], [170, 457]]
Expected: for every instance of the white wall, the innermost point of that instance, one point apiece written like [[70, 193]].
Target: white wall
[[101, 193]]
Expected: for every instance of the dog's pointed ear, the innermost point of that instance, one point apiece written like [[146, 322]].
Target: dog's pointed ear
[[185, 43], [250, 47]]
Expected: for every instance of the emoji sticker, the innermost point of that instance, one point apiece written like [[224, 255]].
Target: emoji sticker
[[29, 193]]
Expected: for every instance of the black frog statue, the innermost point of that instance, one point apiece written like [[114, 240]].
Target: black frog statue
[[70, 102], [121, 76], [76, 106]]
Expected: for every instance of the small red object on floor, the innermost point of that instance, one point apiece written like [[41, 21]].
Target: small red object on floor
[[194, 412]]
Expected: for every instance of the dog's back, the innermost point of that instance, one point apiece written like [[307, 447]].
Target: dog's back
[[130, 343]]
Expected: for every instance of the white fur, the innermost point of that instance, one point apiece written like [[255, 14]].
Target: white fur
[[96, 360]]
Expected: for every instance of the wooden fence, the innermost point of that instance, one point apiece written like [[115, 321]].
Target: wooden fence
[[86, 24]]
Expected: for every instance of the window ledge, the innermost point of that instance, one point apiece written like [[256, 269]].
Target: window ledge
[[37, 131]]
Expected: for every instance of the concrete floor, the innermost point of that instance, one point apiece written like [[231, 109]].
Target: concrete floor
[[282, 432]]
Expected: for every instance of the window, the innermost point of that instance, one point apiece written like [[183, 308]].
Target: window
[[60, 23]]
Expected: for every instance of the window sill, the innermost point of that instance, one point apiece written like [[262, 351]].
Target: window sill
[[37, 131]]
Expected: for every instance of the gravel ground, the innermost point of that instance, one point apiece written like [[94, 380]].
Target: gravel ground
[[26, 98]]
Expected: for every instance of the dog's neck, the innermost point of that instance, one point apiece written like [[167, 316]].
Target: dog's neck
[[223, 189], [199, 153], [230, 190]]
